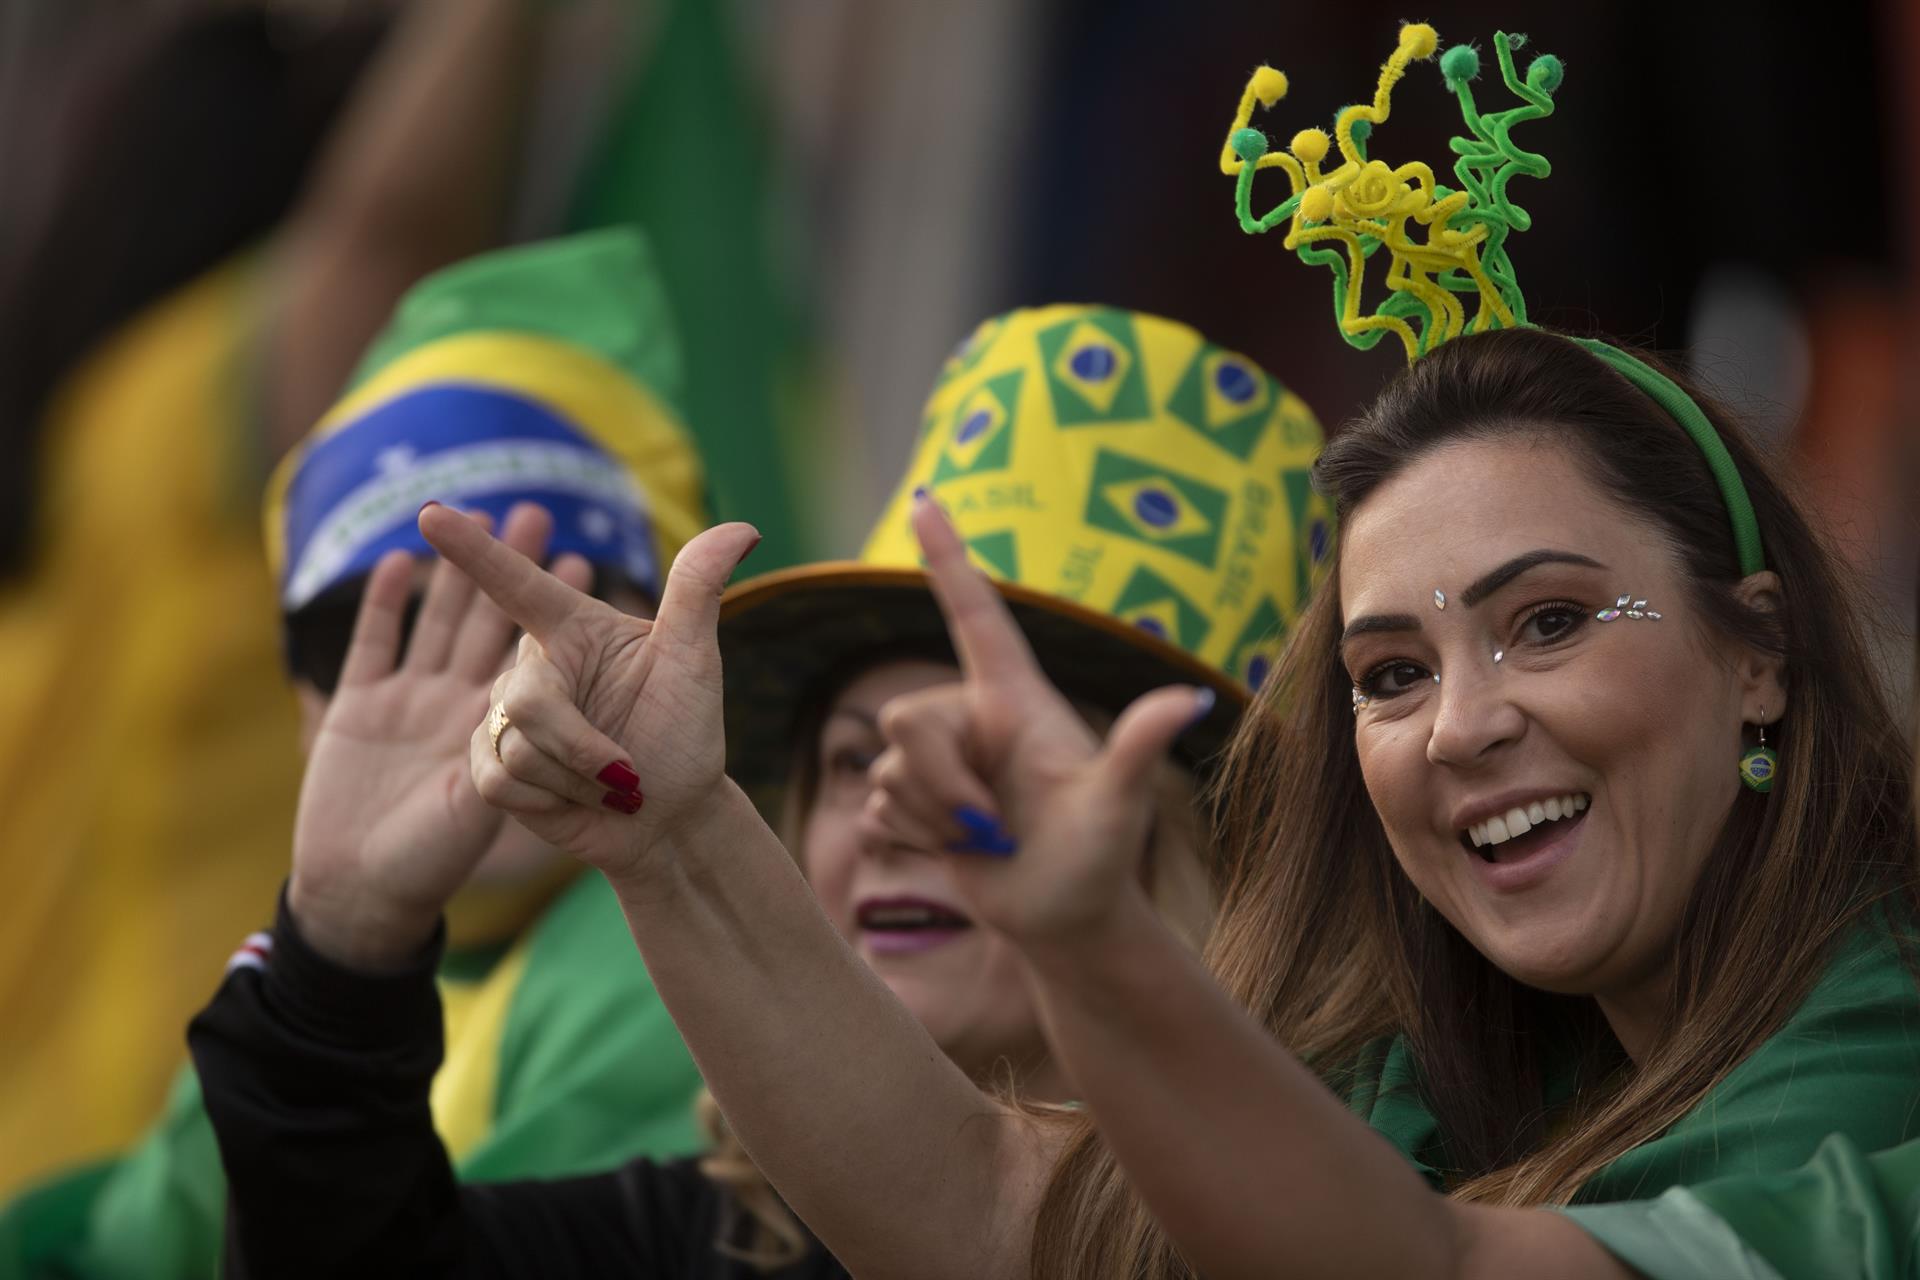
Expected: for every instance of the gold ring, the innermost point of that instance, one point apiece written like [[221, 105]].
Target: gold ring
[[497, 723]]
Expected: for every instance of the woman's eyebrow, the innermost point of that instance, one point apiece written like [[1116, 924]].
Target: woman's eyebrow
[[1491, 582], [1373, 622], [867, 718]]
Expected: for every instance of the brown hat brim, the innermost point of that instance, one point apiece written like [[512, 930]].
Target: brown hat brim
[[783, 633]]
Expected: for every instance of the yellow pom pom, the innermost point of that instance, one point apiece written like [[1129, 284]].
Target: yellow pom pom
[[1316, 204], [1269, 85], [1419, 39], [1310, 145]]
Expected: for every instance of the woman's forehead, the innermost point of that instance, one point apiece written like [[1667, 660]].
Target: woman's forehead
[[1461, 511], [871, 689]]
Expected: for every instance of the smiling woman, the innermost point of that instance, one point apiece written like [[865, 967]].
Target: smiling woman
[[1518, 908]]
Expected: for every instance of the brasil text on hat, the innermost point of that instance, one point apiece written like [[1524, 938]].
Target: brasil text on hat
[[1139, 496], [544, 373]]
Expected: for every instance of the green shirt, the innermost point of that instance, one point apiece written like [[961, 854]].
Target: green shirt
[[591, 1074], [1840, 1216], [1847, 1062]]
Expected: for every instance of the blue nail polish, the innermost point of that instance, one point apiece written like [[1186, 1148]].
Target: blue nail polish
[[984, 834], [1203, 701], [920, 491]]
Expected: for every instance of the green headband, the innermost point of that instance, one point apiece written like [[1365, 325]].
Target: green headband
[[1341, 217]]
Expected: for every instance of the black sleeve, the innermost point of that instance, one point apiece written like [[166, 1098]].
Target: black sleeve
[[316, 1078]]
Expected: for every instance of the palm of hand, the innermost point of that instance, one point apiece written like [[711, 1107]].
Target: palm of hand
[[387, 804]]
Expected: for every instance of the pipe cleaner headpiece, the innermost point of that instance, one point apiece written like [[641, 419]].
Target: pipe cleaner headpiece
[[1448, 270]]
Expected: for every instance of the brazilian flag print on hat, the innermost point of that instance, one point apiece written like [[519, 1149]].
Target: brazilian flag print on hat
[[1139, 495], [545, 373]]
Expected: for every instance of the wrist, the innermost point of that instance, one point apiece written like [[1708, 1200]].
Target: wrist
[[1100, 945], [358, 931], [691, 850]]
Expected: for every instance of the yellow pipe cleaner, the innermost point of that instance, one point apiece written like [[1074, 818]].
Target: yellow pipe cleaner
[[1441, 244]]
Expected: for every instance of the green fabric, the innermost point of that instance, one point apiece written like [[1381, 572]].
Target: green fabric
[[1846, 1062], [684, 154], [600, 291], [592, 1074], [38, 1224], [1842, 1214], [1673, 1238]]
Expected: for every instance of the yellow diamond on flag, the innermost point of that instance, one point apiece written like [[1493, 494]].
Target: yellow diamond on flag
[[1234, 389], [1093, 365], [980, 419], [1159, 618], [1155, 509]]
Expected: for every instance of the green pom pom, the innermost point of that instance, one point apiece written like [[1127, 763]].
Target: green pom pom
[[1460, 64], [1249, 144], [1546, 73], [1362, 130]]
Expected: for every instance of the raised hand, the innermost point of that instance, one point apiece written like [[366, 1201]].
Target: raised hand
[[602, 709], [389, 826], [1050, 823]]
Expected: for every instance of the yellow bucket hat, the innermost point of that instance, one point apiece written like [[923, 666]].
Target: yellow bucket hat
[[1139, 496]]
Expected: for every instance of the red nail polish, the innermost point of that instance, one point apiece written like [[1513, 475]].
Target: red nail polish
[[628, 802], [619, 777], [430, 502]]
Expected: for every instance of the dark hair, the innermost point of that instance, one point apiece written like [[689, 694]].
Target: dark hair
[[188, 140], [1327, 943]]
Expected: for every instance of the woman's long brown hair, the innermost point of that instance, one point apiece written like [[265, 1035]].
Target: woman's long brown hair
[[1327, 943]]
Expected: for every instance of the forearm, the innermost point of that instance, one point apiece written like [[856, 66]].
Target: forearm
[[841, 1097], [1242, 1154], [316, 1082], [418, 174]]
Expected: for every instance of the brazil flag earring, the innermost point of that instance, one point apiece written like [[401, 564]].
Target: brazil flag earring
[[1759, 764]]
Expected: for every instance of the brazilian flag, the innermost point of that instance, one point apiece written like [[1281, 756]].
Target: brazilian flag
[[1094, 370], [980, 433], [1157, 505], [1153, 604], [1226, 398]]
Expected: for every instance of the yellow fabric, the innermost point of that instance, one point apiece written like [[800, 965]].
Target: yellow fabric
[[1121, 461], [619, 414], [465, 1087], [148, 745]]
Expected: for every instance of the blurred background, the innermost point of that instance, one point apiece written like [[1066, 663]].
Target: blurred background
[[208, 209]]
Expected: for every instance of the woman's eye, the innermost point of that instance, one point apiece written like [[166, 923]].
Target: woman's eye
[[847, 761], [1391, 679], [1553, 624]]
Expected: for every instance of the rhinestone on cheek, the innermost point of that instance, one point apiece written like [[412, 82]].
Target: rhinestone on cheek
[[1439, 598]]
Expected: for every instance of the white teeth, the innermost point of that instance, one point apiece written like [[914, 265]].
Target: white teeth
[[1519, 821]]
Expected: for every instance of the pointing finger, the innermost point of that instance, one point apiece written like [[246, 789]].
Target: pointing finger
[[984, 634], [535, 599]]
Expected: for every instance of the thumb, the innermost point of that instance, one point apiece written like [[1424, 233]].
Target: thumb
[[1144, 733], [690, 605]]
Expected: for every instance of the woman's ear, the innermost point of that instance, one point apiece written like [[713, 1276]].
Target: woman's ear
[[1763, 677]]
